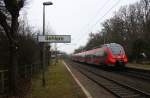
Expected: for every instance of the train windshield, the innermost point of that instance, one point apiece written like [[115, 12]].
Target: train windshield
[[116, 50]]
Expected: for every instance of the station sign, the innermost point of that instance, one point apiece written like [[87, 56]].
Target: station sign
[[55, 38]]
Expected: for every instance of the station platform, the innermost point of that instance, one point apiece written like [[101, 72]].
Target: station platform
[[59, 84]]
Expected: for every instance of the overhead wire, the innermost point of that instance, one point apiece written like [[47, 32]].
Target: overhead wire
[[106, 13], [99, 10], [101, 18], [97, 13]]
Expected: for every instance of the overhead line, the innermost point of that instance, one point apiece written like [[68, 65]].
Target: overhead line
[[99, 10], [105, 14]]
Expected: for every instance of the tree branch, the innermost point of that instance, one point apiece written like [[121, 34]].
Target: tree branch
[[14, 6], [5, 25]]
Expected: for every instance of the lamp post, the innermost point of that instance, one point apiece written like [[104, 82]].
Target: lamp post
[[43, 60]]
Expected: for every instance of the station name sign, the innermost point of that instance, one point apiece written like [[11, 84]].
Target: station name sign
[[55, 38]]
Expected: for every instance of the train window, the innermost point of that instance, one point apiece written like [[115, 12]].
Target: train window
[[100, 52], [105, 54], [88, 56], [116, 50], [95, 56]]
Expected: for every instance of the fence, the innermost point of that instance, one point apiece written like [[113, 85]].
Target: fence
[[3, 81], [25, 71], [29, 70]]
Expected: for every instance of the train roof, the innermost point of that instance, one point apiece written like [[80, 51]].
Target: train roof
[[111, 44], [96, 48]]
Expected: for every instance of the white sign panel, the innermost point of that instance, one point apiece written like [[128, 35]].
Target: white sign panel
[[55, 38]]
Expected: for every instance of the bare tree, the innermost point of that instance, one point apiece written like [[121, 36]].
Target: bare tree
[[13, 7]]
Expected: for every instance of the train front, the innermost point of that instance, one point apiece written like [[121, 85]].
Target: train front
[[117, 55]]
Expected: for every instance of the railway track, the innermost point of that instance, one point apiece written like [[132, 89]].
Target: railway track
[[131, 72], [119, 89], [137, 73]]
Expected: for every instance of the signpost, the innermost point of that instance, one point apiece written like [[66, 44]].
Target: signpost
[[55, 38], [51, 39]]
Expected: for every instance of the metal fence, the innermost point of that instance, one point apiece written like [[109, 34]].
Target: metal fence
[[26, 71], [29, 70], [3, 81]]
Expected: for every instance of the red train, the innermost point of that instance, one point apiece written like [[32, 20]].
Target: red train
[[111, 54]]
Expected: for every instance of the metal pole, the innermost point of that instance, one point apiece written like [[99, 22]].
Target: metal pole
[[104, 37], [43, 66], [56, 54]]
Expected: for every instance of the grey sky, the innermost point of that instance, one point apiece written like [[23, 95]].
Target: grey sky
[[74, 17]]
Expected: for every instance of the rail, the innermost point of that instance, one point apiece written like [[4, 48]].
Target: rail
[[119, 89]]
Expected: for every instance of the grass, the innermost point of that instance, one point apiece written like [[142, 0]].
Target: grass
[[59, 82]]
